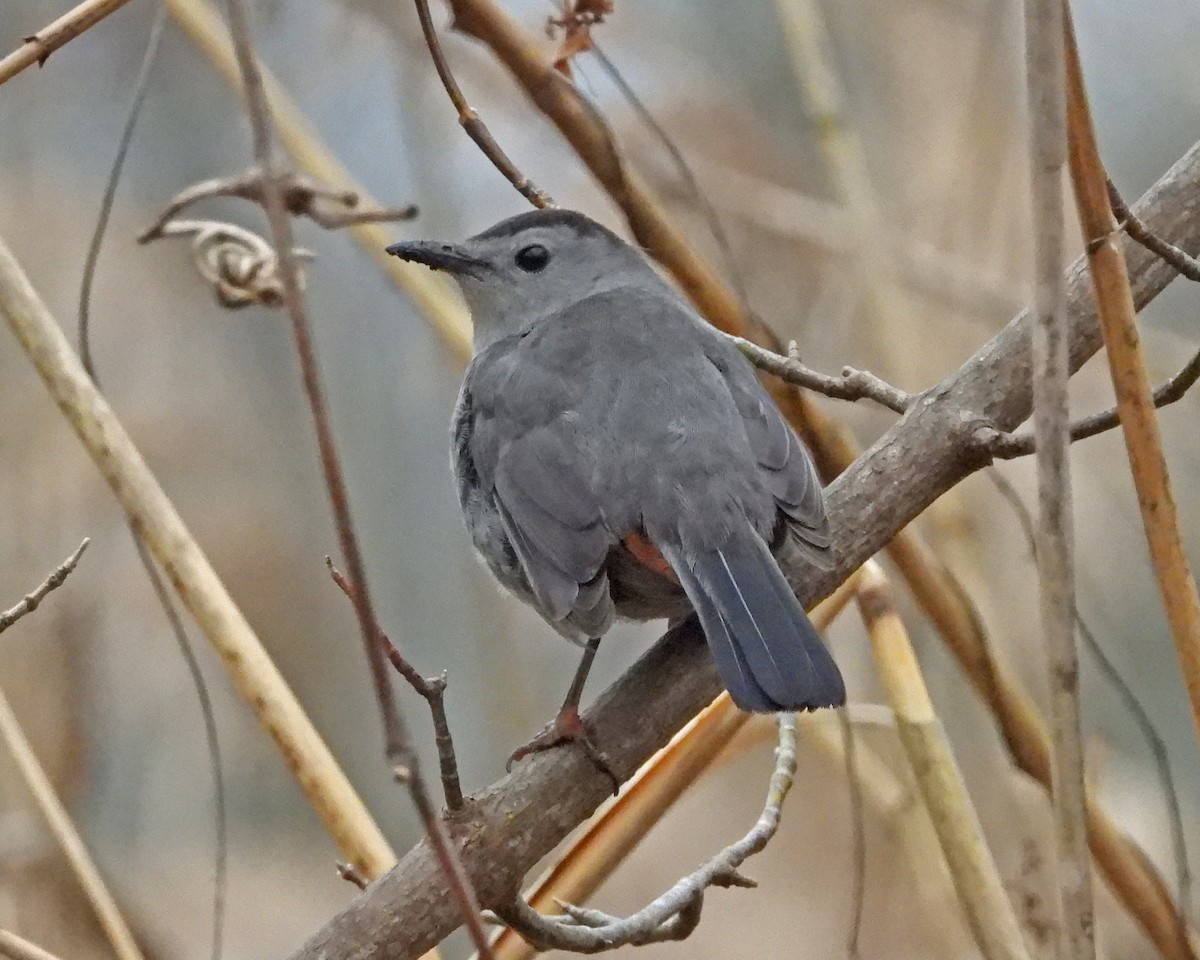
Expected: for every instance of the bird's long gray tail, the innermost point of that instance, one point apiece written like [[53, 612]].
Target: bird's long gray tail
[[766, 649]]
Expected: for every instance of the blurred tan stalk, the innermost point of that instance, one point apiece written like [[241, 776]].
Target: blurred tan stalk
[[18, 948], [162, 529], [104, 905], [980, 890]]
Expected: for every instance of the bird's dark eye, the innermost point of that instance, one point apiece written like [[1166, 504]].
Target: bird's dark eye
[[533, 258]]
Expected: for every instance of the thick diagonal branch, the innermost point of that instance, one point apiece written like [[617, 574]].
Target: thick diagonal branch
[[515, 822]]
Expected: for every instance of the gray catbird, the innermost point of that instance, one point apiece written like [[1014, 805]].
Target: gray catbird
[[617, 456]]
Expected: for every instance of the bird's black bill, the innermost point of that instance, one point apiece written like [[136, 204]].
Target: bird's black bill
[[438, 256]]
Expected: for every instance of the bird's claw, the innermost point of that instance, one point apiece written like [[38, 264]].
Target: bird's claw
[[567, 727]]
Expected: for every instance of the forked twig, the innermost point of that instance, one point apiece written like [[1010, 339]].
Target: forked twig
[[432, 689], [676, 913]]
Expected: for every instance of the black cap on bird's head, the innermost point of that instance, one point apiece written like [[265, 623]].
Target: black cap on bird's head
[[530, 266]]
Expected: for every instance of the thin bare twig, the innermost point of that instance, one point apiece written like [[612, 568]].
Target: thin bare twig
[[674, 914], [400, 751], [1044, 44], [38, 46], [976, 880], [432, 689], [303, 196], [469, 119], [851, 385], [1187, 265], [684, 168], [1131, 382], [1007, 446], [31, 600]]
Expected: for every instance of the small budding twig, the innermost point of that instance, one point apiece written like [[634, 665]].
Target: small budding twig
[[30, 601], [431, 689], [469, 119], [1007, 446], [980, 890], [851, 385], [676, 913], [38, 47]]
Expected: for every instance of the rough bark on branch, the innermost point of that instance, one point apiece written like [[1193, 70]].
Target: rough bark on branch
[[507, 828]]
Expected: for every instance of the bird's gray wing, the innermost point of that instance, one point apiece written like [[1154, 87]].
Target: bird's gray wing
[[786, 465], [525, 454]]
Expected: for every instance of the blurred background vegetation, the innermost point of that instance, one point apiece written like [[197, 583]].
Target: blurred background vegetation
[[889, 234]]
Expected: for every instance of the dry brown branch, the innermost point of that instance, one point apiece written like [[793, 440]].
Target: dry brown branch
[[103, 904], [38, 46], [18, 948], [929, 450], [1135, 404], [1045, 74], [469, 119], [980, 890], [400, 750], [31, 600], [594, 855], [191, 574]]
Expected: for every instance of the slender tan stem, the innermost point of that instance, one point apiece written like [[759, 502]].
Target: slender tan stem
[[66, 28], [1052, 427], [18, 948], [614, 832], [1135, 394], [980, 890], [197, 584], [104, 905]]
